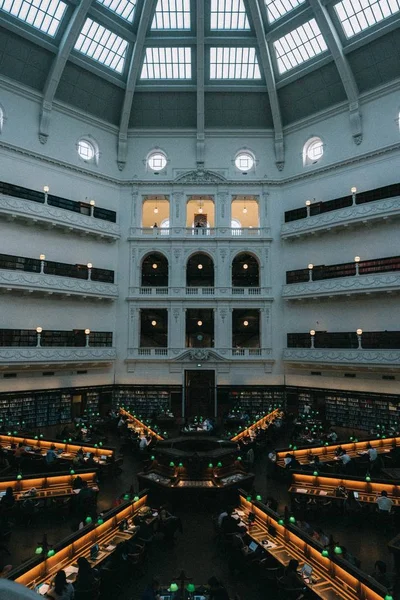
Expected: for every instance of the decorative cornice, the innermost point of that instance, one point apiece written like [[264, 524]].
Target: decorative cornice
[[54, 284], [55, 355], [26, 209], [200, 176], [343, 217], [342, 356], [378, 282]]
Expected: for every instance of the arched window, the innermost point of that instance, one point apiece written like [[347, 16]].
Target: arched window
[[200, 271], [155, 270], [313, 151], [245, 271]]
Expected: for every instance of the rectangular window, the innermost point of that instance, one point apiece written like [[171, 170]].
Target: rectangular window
[[299, 46], [123, 8], [102, 45], [279, 8], [357, 15], [44, 15], [167, 63], [234, 63], [172, 14], [228, 14]]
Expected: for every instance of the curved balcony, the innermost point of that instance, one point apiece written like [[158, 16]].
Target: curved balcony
[[55, 357], [342, 356], [343, 286], [49, 216], [201, 354], [43, 284], [200, 233], [360, 214], [216, 293]]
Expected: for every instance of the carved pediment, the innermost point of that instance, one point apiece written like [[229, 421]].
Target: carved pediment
[[200, 176], [200, 355]]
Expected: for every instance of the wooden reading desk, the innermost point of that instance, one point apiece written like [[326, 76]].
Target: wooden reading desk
[[332, 578], [141, 428], [38, 573], [262, 423], [47, 486], [65, 450], [324, 486], [328, 453]]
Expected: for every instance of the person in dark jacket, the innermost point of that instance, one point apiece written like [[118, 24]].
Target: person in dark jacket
[[217, 590]]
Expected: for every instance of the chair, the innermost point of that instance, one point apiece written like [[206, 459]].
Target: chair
[[286, 593]]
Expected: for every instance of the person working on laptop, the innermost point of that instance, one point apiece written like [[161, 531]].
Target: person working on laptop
[[152, 592], [292, 582]]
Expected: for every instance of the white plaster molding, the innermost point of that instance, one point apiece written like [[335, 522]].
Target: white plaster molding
[[201, 354], [262, 234], [343, 217], [54, 284], [57, 217], [343, 286], [341, 356], [217, 293], [54, 355]]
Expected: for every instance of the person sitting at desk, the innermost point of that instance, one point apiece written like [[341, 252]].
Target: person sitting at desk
[[61, 590], [351, 504], [291, 580], [346, 460], [51, 455], [231, 525], [152, 592], [86, 583], [380, 574], [90, 462], [78, 460], [384, 503], [222, 516], [143, 444], [217, 590], [169, 524], [332, 436], [8, 499]]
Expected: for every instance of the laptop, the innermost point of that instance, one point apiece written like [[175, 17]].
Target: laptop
[[306, 572], [94, 551], [253, 546], [356, 495]]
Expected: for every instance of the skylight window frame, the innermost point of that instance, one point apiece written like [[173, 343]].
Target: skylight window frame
[[186, 30], [304, 67], [47, 40], [109, 14], [290, 14], [94, 62], [227, 43], [162, 44], [373, 31], [222, 31]]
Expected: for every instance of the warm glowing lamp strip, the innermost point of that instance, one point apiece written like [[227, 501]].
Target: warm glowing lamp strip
[[147, 430], [47, 486], [329, 579], [262, 423], [67, 552], [67, 448]]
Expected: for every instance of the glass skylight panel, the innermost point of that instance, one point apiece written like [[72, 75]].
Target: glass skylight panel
[[234, 63], [102, 45], [299, 46], [44, 15], [122, 8], [167, 63], [172, 14], [357, 15], [228, 14], [279, 8]]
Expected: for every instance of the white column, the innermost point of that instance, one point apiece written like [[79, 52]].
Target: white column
[[177, 267], [176, 326], [177, 209], [222, 209], [223, 267], [223, 327]]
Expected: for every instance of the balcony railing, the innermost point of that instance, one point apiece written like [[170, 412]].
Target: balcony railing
[[363, 267], [342, 218], [381, 340], [55, 356], [201, 353], [199, 233], [61, 218], [364, 284], [216, 292], [26, 338], [343, 356]]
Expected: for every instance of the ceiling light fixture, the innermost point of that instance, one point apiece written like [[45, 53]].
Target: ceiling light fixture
[[245, 323], [245, 266], [154, 323], [199, 323], [155, 266], [200, 267]]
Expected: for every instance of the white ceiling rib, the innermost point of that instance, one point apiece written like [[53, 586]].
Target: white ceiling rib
[[134, 68], [335, 46], [53, 79]]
